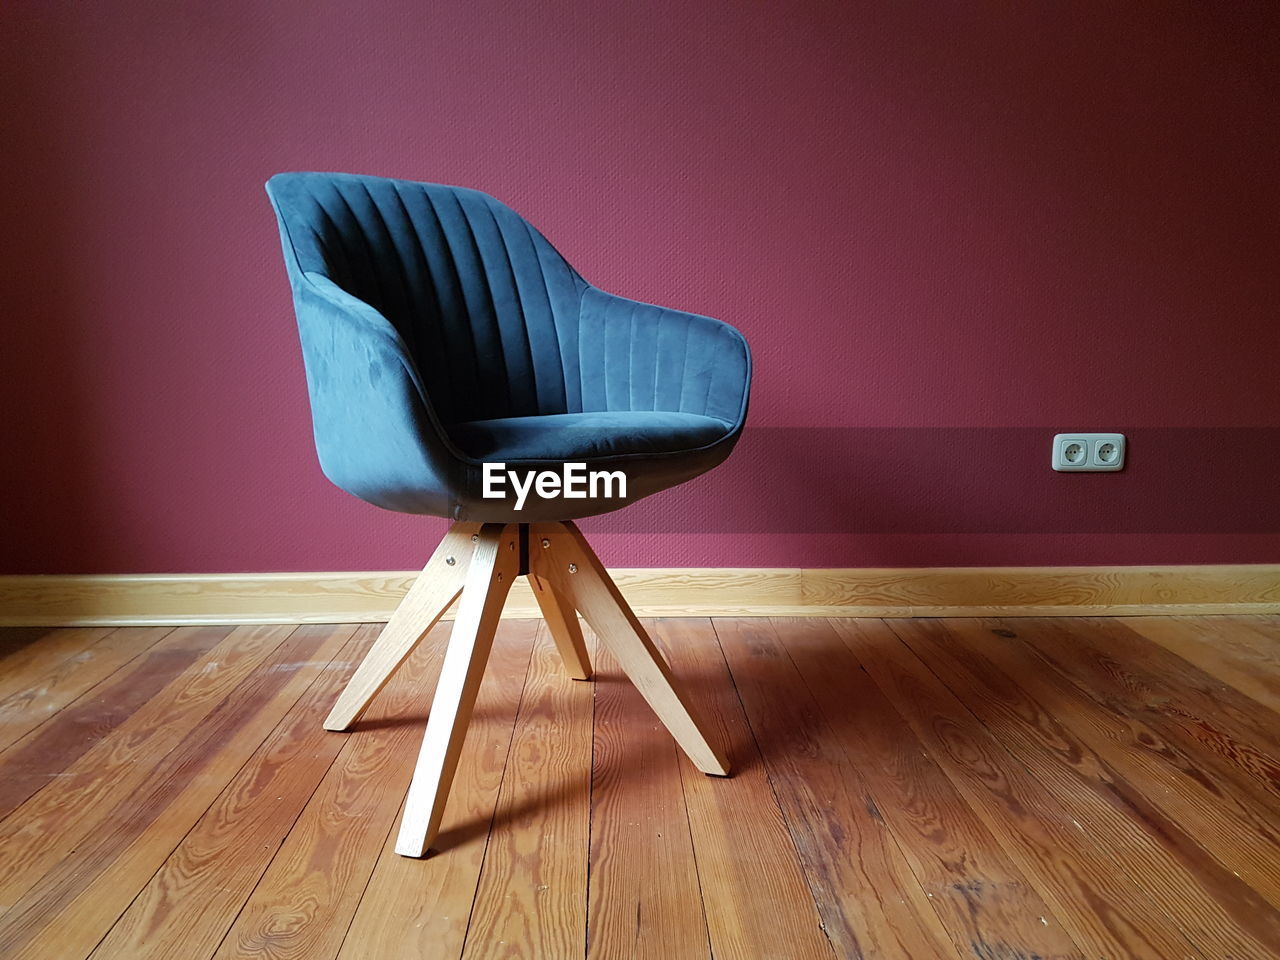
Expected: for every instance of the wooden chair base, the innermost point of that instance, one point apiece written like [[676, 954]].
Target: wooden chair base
[[479, 562]]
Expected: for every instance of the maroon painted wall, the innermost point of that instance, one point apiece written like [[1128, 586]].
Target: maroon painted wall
[[948, 230]]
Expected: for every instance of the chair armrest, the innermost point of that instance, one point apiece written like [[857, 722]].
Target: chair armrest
[[375, 432], [639, 356]]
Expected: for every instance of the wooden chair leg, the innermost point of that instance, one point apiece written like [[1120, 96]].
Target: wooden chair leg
[[495, 562], [562, 621], [573, 569], [430, 596]]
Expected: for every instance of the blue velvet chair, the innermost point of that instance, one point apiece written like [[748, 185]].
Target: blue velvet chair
[[440, 333]]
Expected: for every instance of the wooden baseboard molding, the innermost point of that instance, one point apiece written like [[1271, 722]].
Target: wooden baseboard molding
[[908, 592]]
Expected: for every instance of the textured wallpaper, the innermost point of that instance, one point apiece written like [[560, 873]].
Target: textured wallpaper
[[948, 231]]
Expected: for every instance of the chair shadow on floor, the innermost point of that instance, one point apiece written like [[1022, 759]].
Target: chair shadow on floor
[[699, 687], [13, 639]]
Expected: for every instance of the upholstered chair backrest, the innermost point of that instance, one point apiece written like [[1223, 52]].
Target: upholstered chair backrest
[[487, 308]]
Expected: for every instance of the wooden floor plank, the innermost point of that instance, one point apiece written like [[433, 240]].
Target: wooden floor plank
[[980, 895], [998, 790], [643, 896], [25, 710], [531, 900], [47, 751], [1227, 648], [1161, 827], [870, 902], [68, 911], [1199, 691], [31, 662], [1104, 910], [1212, 908], [415, 908], [1243, 837], [304, 903], [187, 906], [51, 824], [757, 901], [1263, 639], [13, 639], [1119, 668]]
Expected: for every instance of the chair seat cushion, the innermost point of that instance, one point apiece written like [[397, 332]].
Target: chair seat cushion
[[587, 436]]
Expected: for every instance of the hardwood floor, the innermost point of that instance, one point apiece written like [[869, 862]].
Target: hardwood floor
[[982, 789]]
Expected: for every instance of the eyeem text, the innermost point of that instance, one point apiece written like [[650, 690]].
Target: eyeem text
[[574, 483]]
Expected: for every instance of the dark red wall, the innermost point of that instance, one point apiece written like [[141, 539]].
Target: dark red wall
[[948, 230]]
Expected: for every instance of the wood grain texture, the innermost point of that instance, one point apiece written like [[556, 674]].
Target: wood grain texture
[[1231, 649], [24, 710], [184, 909], [1264, 638], [41, 657], [981, 897], [346, 597], [407, 911], [759, 905], [494, 564], [531, 899], [1070, 588], [1121, 757], [49, 826], [997, 790], [562, 622], [1211, 906], [75, 903], [1106, 911], [569, 564], [338, 597], [1114, 791], [643, 897], [1199, 689], [1229, 733], [432, 592], [871, 904], [303, 905], [42, 755]]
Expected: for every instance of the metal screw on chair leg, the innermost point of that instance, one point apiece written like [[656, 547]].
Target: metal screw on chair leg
[[475, 538], [545, 543], [450, 560], [499, 578], [573, 568]]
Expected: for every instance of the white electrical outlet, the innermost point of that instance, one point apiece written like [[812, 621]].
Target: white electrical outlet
[[1088, 451]]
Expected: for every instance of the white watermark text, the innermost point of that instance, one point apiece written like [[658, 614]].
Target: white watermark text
[[574, 482]]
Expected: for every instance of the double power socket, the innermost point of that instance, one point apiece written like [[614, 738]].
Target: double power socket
[[1088, 451]]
